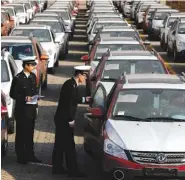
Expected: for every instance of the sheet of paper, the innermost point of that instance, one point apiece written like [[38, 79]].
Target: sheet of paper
[[112, 67], [35, 99], [121, 113], [131, 98]]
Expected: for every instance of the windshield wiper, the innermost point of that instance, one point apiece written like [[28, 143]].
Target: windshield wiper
[[108, 79], [167, 119], [131, 118]]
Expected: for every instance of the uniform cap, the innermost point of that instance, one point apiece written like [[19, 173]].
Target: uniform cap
[[82, 68], [29, 60]]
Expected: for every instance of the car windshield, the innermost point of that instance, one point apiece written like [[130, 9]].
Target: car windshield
[[160, 16], [19, 9], [125, 47], [150, 104], [64, 15], [114, 68], [43, 35], [171, 21], [120, 34], [100, 25], [56, 26], [181, 29], [19, 50], [9, 10], [4, 72]]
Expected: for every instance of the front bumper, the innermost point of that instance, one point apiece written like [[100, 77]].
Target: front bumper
[[132, 169]]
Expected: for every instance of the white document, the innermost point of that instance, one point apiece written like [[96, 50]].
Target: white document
[[35, 99]]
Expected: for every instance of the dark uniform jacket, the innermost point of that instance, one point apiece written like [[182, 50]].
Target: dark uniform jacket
[[69, 99], [22, 87]]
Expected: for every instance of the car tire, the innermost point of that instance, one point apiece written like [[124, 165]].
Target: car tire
[[168, 50], [67, 48], [175, 55], [11, 126], [45, 83], [162, 42], [4, 146], [52, 70], [57, 63]]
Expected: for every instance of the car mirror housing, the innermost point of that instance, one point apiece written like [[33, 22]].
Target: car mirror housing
[[85, 58]]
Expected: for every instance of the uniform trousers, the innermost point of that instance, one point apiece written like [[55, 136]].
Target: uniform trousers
[[25, 124], [64, 147]]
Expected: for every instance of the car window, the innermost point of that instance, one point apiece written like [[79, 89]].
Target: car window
[[125, 47], [120, 34], [27, 5], [64, 15], [43, 35], [19, 9], [4, 72], [160, 16], [150, 103], [56, 26], [171, 21], [98, 99], [19, 50], [53, 35]]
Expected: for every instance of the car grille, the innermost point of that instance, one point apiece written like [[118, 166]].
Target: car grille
[[158, 158]]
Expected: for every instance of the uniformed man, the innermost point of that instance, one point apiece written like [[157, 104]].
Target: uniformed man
[[22, 90], [64, 121]]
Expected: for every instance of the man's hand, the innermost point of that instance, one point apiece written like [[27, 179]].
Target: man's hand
[[88, 99], [72, 124], [28, 98]]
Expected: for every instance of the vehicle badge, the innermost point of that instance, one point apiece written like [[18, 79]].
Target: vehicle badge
[[161, 158]]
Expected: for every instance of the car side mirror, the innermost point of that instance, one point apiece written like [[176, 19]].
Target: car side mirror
[[44, 57], [4, 111], [95, 112], [85, 58]]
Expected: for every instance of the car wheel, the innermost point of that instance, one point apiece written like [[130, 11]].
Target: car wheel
[[67, 48], [11, 125], [168, 50], [52, 70], [162, 42], [57, 63]]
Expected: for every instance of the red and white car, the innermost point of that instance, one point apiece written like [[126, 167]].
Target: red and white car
[[138, 129]]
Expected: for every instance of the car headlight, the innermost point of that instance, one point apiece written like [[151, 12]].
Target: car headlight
[[113, 145], [180, 43]]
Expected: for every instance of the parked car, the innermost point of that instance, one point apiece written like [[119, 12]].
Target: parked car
[[4, 124], [59, 29], [22, 47], [8, 71], [150, 106], [176, 39], [47, 39], [12, 13]]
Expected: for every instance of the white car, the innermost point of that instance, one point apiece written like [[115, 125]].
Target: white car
[[12, 12], [176, 39], [46, 37], [167, 23], [30, 10], [8, 71], [21, 12], [127, 7]]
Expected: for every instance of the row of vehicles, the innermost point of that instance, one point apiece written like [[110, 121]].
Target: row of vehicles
[[136, 121], [44, 39], [160, 22]]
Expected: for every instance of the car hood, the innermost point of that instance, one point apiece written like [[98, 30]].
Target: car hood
[[108, 86], [60, 35], [19, 65], [158, 23], [21, 14], [47, 45], [151, 136], [181, 37]]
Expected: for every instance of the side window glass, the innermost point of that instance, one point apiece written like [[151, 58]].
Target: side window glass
[[98, 99], [110, 96], [53, 36]]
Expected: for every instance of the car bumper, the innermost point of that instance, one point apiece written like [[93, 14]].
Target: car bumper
[[132, 169]]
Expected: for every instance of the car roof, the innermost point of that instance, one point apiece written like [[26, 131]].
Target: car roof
[[14, 4], [31, 26], [118, 30], [111, 39], [46, 14], [8, 7], [111, 21], [153, 81], [45, 19], [18, 39], [166, 10], [176, 14]]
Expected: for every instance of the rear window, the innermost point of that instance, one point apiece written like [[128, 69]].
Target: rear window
[[19, 9], [19, 51], [160, 15], [43, 35], [4, 72], [114, 68], [181, 29]]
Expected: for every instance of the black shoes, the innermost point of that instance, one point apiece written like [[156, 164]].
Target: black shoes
[[33, 159], [77, 175]]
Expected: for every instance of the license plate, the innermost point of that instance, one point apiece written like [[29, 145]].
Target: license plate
[[160, 172]]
